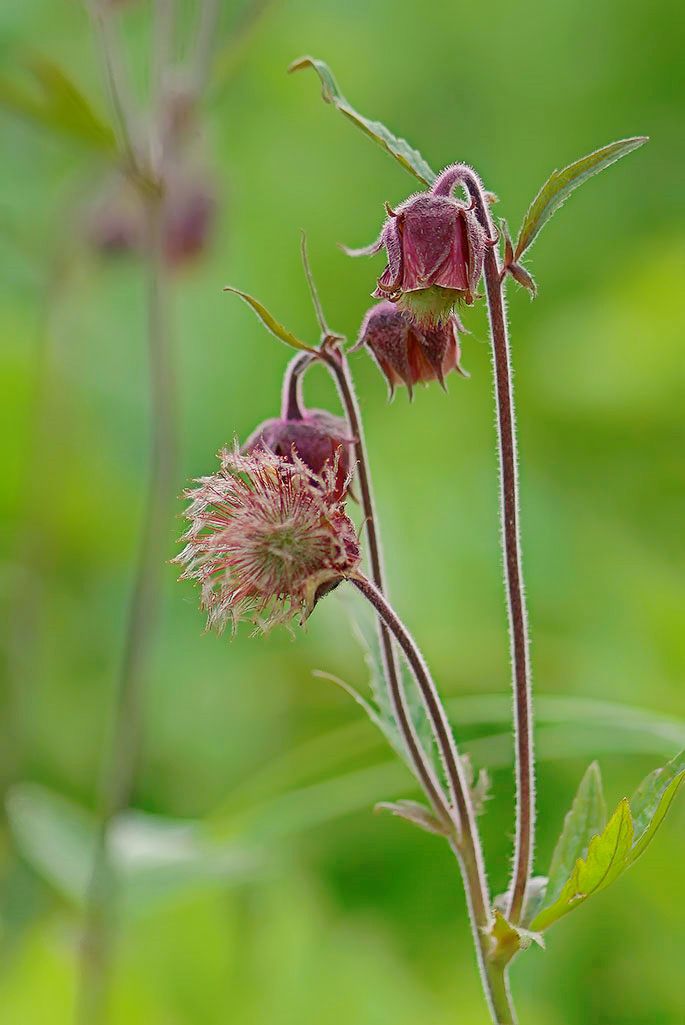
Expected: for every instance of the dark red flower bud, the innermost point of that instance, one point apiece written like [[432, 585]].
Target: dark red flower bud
[[114, 220], [315, 438], [435, 246], [117, 223], [406, 352]]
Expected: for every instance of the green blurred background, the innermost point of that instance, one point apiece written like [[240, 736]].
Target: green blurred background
[[296, 904]]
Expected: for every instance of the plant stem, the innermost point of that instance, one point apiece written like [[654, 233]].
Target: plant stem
[[466, 845], [516, 599], [460, 174], [334, 358], [291, 395], [124, 746], [337, 364]]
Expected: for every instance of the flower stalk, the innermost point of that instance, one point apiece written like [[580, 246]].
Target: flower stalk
[[460, 174]]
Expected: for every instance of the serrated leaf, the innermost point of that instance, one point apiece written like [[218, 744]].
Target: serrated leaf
[[604, 862], [651, 801], [410, 159], [586, 818], [58, 104], [270, 323], [561, 184], [416, 813], [365, 629]]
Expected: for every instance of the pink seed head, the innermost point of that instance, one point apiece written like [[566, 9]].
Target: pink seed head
[[267, 539]]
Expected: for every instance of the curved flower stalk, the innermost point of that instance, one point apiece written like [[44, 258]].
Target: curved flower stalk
[[267, 540]]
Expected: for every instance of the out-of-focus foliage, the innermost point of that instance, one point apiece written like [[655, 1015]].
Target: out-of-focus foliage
[[328, 913]]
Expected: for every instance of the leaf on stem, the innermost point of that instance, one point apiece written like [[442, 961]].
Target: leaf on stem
[[380, 721], [604, 862], [410, 159], [586, 818], [416, 813], [611, 852], [366, 632], [506, 940], [561, 184], [270, 323], [651, 801], [57, 103]]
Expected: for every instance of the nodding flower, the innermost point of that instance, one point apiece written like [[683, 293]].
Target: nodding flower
[[267, 539], [435, 246], [315, 436], [406, 352]]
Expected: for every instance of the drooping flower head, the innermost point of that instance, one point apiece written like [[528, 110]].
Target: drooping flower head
[[267, 539], [435, 246], [409, 353], [315, 436]]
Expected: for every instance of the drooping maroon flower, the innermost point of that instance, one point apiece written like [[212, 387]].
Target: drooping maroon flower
[[316, 437], [435, 246], [267, 539], [407, 352]]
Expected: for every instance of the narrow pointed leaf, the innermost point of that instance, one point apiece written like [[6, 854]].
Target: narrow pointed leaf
[[418, 814], [605, 861], [410, 159], [381, 722], [651, 801], [586, 818], [366, 633], [561, 184], [57, 103], [270, 322]]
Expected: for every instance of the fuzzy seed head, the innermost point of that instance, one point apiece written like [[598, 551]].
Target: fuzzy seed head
[[267, 539]]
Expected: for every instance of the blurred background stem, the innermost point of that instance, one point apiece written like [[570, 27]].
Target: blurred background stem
[[126, 732]]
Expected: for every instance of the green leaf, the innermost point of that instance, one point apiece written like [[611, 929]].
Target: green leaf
[[410, 159], [651, 801], [270, 322], [561, 184], [605, 861], [506, 940], [586, 818], [57, 103], [380, 721], [366, 631]]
